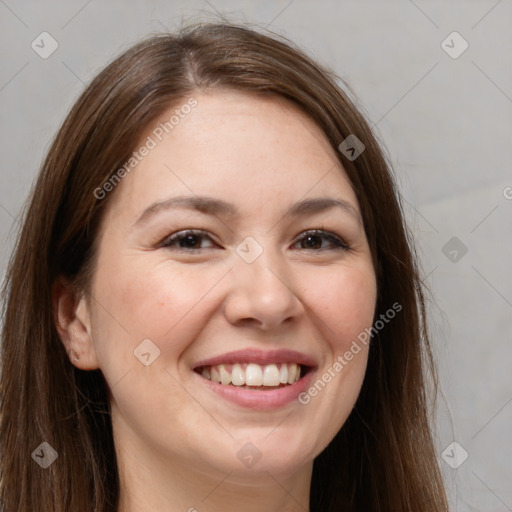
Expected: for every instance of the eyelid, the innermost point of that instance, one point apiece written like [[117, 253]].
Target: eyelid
[[178, 235], [338, 241], [328, 235]]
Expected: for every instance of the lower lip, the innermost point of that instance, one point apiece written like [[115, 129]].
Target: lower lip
[[261, 400]]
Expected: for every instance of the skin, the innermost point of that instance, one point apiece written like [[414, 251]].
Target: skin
[[176, 441]]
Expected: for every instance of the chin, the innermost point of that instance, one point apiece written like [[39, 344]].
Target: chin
[[271, 452]]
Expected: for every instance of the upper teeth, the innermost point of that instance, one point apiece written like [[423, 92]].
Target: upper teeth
[[253, 374]]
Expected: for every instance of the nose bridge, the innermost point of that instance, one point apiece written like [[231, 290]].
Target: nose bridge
[[261, 287], [261, 267]]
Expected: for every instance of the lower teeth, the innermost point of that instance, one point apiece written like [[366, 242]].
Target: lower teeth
[[259, 387]]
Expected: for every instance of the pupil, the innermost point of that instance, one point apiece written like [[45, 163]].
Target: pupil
[[309, 238], [190, 240]]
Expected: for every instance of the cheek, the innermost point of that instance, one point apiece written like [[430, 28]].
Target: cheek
[[160, 301], [343, 301], [163, 301], [343, 305]]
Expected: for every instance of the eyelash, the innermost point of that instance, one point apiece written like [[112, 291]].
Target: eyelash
[[171, 241]]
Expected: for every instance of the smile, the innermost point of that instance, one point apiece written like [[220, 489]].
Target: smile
[[253, 375], [257, 379]]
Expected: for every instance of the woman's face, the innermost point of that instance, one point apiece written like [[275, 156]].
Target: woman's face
[[251, 287]]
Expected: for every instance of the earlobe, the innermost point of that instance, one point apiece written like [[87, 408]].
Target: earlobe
[[72, 321]]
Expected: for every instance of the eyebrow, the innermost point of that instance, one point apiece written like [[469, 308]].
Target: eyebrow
[[218, 207]]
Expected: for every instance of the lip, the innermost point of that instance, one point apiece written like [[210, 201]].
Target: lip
[[259, 400], [251, 398], [250, 355]]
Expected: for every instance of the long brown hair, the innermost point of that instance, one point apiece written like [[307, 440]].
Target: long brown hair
[[383, 457]]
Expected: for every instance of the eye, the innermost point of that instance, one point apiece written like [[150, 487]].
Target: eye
[[185, 240], [314, 238], [190, 240]]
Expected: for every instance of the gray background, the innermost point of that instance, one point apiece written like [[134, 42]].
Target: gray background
[[446, 123]]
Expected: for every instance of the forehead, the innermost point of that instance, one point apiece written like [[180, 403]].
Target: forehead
[[250, 150]]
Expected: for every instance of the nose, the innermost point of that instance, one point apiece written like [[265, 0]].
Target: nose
[[262, 293]]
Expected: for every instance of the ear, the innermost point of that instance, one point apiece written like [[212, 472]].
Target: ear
[[72, 320]]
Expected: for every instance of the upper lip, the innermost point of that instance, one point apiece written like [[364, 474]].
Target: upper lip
[[251, 355]]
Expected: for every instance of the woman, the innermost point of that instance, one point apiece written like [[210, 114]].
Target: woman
[[214, 303]]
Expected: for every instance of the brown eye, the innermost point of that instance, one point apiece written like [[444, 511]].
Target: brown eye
[[314, 239], [186, 240]]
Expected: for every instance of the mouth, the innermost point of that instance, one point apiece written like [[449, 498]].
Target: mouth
[[256, 379], [254, 376]]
